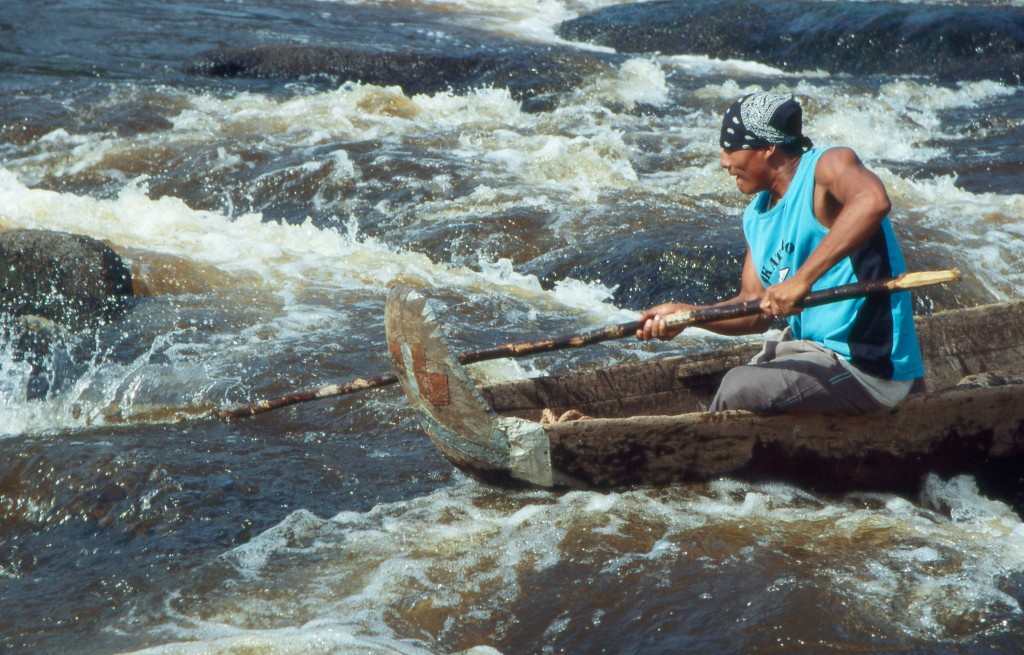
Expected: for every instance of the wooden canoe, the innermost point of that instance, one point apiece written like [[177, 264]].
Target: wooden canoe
[[644, 421]]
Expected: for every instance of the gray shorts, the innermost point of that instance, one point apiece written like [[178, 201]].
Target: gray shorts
[[794, 376]]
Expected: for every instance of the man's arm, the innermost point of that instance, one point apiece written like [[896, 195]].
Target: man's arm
[[851, 202], [750, 289]]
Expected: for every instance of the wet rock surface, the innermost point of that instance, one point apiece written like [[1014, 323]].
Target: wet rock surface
[[531, 74], [864, 38], [70, 279]]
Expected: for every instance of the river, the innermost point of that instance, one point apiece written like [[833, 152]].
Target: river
[[266, 214]]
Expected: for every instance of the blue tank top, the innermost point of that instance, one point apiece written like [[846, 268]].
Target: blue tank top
[[876, 334]]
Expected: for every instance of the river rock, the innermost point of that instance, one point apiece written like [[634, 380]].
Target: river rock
[[73, 280], [51, 285], [951, 43], [532, 74]]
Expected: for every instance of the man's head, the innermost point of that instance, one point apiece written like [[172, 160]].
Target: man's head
[[762, 120]]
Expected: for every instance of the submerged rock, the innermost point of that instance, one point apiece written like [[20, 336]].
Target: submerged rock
[[863, 38], [52, 285], [531, 73]]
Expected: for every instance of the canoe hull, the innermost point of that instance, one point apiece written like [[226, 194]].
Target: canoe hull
[[494, 433], [978, 431]]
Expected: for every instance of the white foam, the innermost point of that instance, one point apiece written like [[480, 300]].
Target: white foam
[[638, 81], [324, 639], [901, 122], [984, 225], [704, 65]]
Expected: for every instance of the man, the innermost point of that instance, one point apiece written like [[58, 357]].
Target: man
[[818, 220]]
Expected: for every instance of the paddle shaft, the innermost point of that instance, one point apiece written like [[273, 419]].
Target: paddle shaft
[[697, 316], [710, 314]]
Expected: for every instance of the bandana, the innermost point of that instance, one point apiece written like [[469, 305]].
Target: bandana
[[760, 120]]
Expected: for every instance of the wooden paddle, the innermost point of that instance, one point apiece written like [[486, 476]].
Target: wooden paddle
[[698, 316]]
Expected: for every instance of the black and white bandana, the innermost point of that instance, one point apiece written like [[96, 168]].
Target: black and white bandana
[[760, 120]]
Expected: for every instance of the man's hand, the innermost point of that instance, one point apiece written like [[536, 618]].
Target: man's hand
[[654, 321], [784, 298]]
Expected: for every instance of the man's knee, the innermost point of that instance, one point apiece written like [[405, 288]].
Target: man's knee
[[742, 388], [804, 386]]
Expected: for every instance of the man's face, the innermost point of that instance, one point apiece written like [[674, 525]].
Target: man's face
[[749, 167]]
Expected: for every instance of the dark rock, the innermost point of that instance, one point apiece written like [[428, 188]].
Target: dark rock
[[52, 285], [73, 280], [415, 72], [865, 38], [531, 73]]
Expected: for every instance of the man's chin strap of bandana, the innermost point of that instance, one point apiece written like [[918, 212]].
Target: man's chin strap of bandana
[[760, 120]]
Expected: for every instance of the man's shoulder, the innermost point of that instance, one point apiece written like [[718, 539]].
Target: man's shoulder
[[844, 155], [832, 162]]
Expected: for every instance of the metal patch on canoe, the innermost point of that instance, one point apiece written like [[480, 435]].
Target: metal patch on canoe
[[529, 451]]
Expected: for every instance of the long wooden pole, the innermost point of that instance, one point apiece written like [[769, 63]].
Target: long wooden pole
[[698, 316]]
